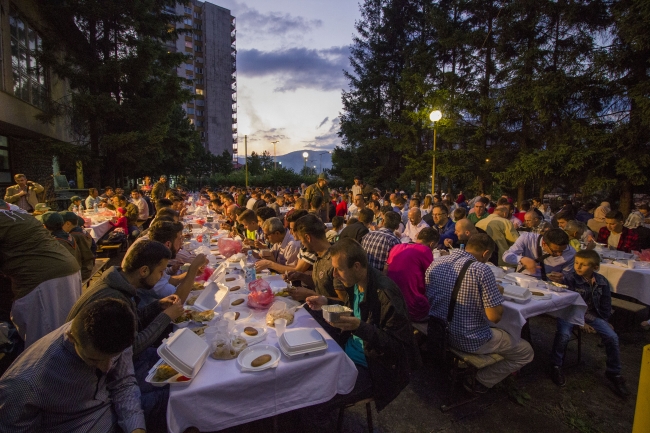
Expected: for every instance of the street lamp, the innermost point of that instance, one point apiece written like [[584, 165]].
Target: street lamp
[[305, 155], [435, 116], [275, 159]]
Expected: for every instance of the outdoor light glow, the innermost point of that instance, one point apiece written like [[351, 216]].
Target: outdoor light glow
[[435, 115], [305, 155]]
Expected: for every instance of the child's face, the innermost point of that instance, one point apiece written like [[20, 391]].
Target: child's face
[[584, 267]]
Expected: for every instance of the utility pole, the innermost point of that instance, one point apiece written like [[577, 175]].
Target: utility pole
[[246, 157], [275, 159]]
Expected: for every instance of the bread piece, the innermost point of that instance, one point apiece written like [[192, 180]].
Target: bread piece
[[235, 288], [260, 360], [237, 314], [250, 331], [237, 301]]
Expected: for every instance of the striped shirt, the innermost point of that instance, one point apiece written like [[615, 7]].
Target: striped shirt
[[50, 388]]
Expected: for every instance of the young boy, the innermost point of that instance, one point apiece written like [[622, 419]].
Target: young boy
[[254, 233], [596, 292], [337, 225]]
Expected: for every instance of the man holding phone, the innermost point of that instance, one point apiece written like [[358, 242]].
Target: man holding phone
[[23, 194]]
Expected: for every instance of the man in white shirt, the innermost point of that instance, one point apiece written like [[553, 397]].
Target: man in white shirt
[[353, 210], [285, 249], [415, 224], [141, 203], [357, 188]]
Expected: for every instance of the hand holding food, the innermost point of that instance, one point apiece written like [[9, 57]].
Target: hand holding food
[[556, 277], [529, 264], [316, 302], [168, 301], [175, 310], [347, 323], [300, 293], [262, 264]]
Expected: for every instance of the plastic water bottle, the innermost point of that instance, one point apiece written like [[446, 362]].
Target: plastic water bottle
[[206, 238], [462, 247], [249, 272], [96, 208]]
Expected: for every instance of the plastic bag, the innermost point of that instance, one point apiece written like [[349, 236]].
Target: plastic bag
[[228, 247], [261, 295], [279, 310], [205, 275], [643, 255], [226, 345]]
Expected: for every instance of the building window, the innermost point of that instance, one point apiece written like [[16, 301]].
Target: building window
[[198, 81], [198, 59], [198, 48], [187, 21], [189, 67], [29, 78], [198, 70], [199, 102], [189, 110], [198, 37], [188, 44], [198, 26], [188, 10], [5, 173], [199, 91], [199, 112]]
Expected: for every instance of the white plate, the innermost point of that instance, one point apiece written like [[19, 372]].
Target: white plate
[[244, 314], [251, 353], [545, 297], [251, 339]]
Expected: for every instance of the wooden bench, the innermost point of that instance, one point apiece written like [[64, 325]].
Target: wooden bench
[[627, 315], [100, 266]]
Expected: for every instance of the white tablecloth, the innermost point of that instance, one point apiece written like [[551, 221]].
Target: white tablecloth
[[629, 282], [99, 230], [566, 305], [221, 396]]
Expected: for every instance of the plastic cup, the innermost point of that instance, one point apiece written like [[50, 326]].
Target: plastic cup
[[630, 264], [280, 326], [210, 333]]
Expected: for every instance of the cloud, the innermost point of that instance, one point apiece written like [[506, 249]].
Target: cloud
[[296, 68], [323, 122], [329, 140], [273, 22]]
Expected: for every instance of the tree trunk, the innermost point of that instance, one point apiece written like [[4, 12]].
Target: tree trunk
[[521, 194], [417, 186], [626, 198]]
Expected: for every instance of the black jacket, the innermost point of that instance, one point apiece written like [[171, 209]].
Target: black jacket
[[386, 331], [354, 231]]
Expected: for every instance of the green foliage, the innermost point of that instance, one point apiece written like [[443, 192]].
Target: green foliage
[[535, 95]]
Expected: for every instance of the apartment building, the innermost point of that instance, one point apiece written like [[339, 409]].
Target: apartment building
[[25, 86], [211, 66]]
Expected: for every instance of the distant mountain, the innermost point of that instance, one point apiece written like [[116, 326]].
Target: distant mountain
[[295, 160]]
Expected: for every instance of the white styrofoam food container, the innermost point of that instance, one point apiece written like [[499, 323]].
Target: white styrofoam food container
[[300, 339], [172, 380], [331, 313], [184, 351], [516, 293], [211, 297]]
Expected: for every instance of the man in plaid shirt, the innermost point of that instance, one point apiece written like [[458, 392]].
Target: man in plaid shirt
[[479, 303], [378, 243], [615, 235]]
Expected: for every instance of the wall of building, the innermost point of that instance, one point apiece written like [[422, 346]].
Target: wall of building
[[220, 84]]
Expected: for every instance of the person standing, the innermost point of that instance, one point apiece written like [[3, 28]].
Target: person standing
[[45, 278], [23, 194], [141, 203], [159, 189], [320, 189], [357, 188]]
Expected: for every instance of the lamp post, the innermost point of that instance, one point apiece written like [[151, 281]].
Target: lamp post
[[275, 158], [246, 157], [305, 155], [434, 116]]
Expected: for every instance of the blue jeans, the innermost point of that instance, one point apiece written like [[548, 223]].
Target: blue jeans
[[609, 339], [153, 399]]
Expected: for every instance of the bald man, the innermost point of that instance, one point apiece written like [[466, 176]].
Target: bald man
[[535, 222], [415, 224], [464, 229], [501, 230]]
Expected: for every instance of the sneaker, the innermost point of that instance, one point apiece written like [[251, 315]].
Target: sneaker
[[477, 388], [619, 384], [558, 376]]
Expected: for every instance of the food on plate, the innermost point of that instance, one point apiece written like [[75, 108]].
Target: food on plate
[[164, 372], [200, 330], [185, 317], [191, 300], [237, 302], [203, 316], [260, 360], [237, 314], [284, 293], [273, 315], [231, 279], [198, 286], [250, 331], [537, 293], [229, 350], [234, 288]]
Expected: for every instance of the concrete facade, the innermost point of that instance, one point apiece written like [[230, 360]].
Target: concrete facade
[[211, 67], [24, 138]]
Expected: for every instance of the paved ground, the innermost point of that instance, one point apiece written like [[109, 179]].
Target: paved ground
[[528, 403]]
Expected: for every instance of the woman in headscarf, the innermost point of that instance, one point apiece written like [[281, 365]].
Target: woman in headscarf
[[598, 221]]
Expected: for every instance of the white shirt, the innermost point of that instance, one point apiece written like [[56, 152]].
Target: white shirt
[[142, 207], [356, 189], [250, 203], [353, 211], [613, 239], [286, 253], [412, 231]]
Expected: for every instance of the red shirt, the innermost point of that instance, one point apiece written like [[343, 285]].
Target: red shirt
[[121, 223], [521, 216], [342, 208], [407, 265]]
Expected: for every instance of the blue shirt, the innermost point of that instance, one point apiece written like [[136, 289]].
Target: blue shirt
[[526, 246], [470, 328], [447, 232], [354, 345]]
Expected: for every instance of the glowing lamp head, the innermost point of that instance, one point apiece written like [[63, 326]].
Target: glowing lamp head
[[435, 115]]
